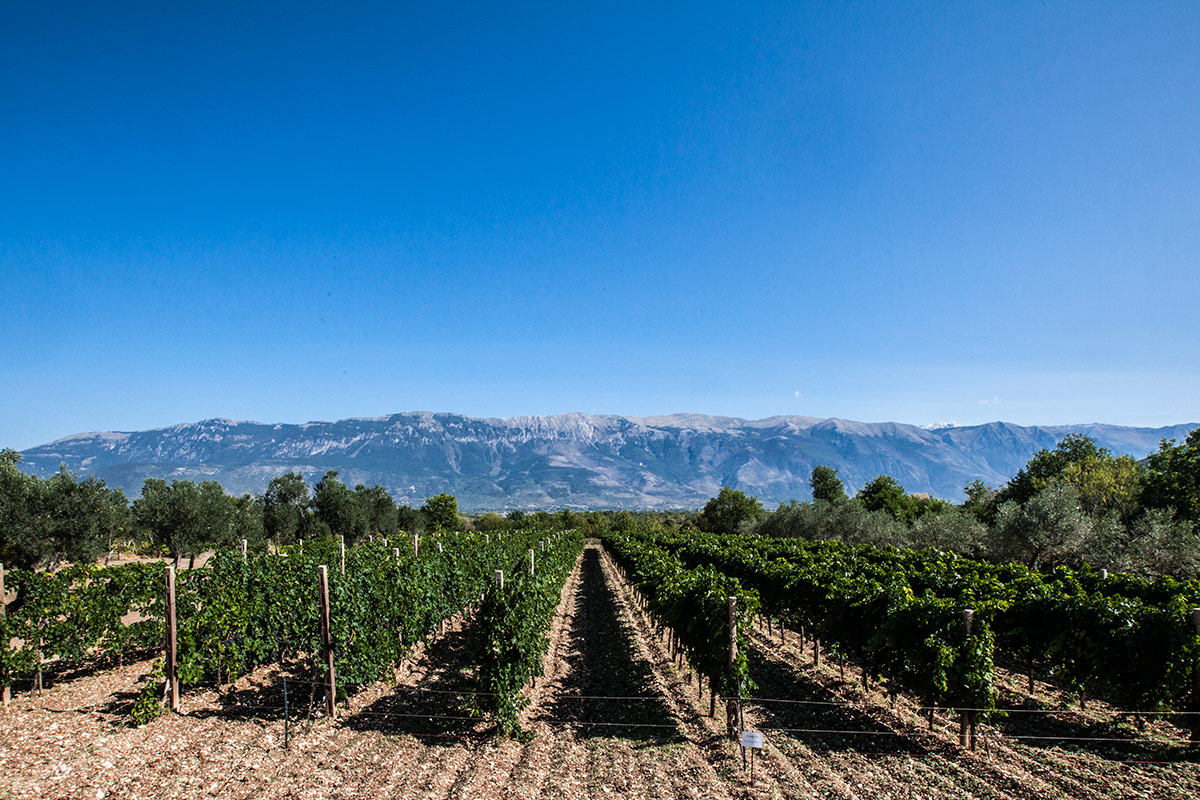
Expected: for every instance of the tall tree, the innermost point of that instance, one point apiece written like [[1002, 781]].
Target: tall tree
[[216, 516], [409, 519], [979, 502], [170, 514], [886, 494], [442, 511], [826, 485], [1049, 528], [285, 507], [248, 520], [727, 512], [376, 509], [1104, 482], [85, 516], [25, 526], [1172, 479], [335, 505]]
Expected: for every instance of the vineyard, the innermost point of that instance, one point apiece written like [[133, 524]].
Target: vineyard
[[525, 663]]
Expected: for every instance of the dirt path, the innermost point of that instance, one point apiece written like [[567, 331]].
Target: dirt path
[[613, 716]]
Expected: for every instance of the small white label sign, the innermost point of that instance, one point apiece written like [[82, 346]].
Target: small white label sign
[[752, 739]]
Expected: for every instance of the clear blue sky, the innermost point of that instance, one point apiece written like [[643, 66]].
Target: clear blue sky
[[878, 211]]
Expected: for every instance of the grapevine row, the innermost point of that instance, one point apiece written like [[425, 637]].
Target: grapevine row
[[515, 616], [694, 605], [901, 613], [243, 611]]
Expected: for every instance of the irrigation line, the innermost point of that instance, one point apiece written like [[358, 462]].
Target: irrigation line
[[955, 709], [822, 731]]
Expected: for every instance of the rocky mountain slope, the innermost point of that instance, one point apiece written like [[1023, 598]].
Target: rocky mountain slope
[[575, 460]]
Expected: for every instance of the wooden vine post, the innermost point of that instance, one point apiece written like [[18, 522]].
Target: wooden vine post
[[733, 705], [327, 644], [172, 643], [531, 563], [342, 554], [1195, 678], [243, 550], [416, 544], [396, 553], [6, 690], [500, 579], [966, 719]]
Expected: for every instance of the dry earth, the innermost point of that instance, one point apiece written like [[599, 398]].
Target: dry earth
[[614, 716]]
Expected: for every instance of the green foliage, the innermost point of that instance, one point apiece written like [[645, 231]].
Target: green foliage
[[177, 518], [377, 509], [694, 603], [337, 507], [918, 643], [979, 502], [76, 613], [826, 485], [492, 522], [727, 512], [1124, 638], [442, 512], [149, 704], [1172, 478], [410, 520], [46, 522], [1049, 528], [514, 620], [285, 508], [885, 494], [1102, 482], [25, 527]]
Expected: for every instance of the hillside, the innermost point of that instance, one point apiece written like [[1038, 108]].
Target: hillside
[[575, 460]]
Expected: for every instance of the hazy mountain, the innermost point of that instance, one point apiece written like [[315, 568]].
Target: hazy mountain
[[576, 460]]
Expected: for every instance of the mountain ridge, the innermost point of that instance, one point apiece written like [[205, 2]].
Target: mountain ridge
[[575, 460]]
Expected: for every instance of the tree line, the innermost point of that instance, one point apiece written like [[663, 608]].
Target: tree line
[[1073, 504], [46, 522], [61, 519]]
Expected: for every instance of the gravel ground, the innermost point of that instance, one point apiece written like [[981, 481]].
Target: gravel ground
[[417, 738]]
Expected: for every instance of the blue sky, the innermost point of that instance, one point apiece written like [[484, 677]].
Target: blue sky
[[878, 211]]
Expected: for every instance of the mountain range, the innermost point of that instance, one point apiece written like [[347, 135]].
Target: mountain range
[[576, 460]]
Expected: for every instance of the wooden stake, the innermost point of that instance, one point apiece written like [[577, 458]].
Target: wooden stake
[[531, 563], [1196, 679], [342, 555], [327, 643], [966, 719], [243, 549], [733, 704], [172, 644], [7, 690], [396, 553], [500, 579], [416, 544]]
